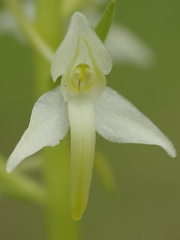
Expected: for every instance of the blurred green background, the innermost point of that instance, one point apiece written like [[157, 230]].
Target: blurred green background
[[147, 204]]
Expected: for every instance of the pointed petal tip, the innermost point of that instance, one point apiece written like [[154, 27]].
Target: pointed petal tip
[[117, 120], [77, 14], [76, 216], [171, 151], [9, 167], [167, 145], [173, 155]]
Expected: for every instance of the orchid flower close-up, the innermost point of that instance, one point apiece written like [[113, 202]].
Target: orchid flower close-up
[[85, 105], [125, 46]]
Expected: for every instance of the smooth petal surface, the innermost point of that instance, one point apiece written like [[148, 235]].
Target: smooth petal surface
[[48, 125], [80, 28], [82, 125], [124, 45], [117, 120], [94, 79]]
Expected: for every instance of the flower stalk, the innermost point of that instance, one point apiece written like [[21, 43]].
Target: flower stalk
[[56, 162], [56, 172], [56, 169]]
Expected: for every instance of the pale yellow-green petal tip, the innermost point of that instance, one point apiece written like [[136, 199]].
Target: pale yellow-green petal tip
[[79, 199], [76, 215], [78, 210]]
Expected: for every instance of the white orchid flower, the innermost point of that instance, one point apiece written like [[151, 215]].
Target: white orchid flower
[[84, 104], [124, 45]]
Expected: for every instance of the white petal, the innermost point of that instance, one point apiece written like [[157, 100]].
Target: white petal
[[82, 125], [80, 28], [48, 125], [124, 45], [97, 81], [117, 120]]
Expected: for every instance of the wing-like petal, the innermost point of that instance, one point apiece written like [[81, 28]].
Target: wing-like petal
[[117, 120], [48, 125], [80, 28], [82, 125]]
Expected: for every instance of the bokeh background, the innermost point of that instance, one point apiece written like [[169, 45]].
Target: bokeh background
[[147, 203]]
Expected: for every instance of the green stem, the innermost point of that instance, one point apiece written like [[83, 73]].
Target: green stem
[[48, 24], [49, 21], [56, 160], [57, 165]]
